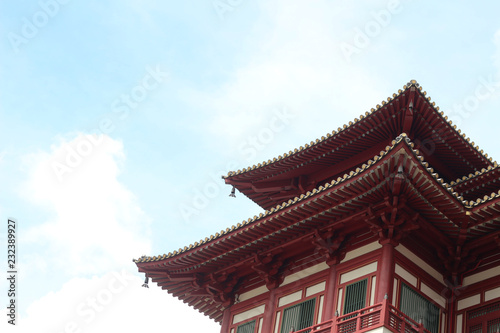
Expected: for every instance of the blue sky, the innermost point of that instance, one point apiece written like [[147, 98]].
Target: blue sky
[[118, 118]]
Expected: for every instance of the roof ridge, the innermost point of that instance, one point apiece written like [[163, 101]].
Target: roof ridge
[[324, 137], [411, 83]]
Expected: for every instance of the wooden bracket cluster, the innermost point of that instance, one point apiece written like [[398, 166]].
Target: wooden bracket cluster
[[457, 260], [394, 224], [330, 245], [271, 268]]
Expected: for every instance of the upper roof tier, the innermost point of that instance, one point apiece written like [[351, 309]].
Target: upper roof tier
[[410, 111]]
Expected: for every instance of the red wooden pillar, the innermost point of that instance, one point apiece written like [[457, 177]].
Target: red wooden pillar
[[330, 293], [226, 321], [267, 325], [451, 316], [386, 270]]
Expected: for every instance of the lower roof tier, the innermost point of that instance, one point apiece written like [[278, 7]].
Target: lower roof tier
[[395, 196]]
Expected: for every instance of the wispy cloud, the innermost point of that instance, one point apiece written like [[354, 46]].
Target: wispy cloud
[[296, 61], [111, 302], [96, 222]]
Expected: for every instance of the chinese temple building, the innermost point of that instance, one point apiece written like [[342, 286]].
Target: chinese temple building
[[388, 224]]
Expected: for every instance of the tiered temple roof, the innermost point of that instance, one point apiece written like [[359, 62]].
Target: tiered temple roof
[[403, 156]]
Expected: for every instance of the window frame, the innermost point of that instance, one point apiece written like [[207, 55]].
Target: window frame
[[482, 319], [341, 290], [233, 327], [318, 306], [247, 322], [424, 297], [344, 296], [315, 310]]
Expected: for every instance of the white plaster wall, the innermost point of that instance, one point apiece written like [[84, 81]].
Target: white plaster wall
[[433, 295], [358, 272], [492, 272], [305, 273], [362, 250], [394, 291], [412, 279], [459, 324], [277, 324], [468, 302], [248, 314], [320, 309], [372, 290], [290, 298], [317, 288], [491, 294], [419, 262], [253, 293]]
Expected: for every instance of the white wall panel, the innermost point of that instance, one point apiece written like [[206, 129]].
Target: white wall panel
[[459, 324], [433, 295], [317, 288], [468, 302], [491, 294], [489, 273], [305, 273], [358, 272], [419, 262], [362, 250], [248, 314], [290, 298], [412, 279]]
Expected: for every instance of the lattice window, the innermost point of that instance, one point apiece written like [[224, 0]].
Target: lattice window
[[484, 310], [247, 327], [476, 329], [355, 296], [298, 316], [494, 325], [419, 308], [485, 319]]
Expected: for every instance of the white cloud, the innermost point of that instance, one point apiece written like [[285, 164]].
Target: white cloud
[[114, 302], [96, 223], [293, 60]]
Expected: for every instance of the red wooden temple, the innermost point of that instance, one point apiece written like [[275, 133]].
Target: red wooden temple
[[389, 224]]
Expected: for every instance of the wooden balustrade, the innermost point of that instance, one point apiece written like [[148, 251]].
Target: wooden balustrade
[[367, 319], [399, 322]]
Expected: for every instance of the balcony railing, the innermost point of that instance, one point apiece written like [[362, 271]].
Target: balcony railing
[[367, 319]]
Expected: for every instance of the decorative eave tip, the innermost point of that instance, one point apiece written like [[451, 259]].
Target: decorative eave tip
[[413, 83]]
